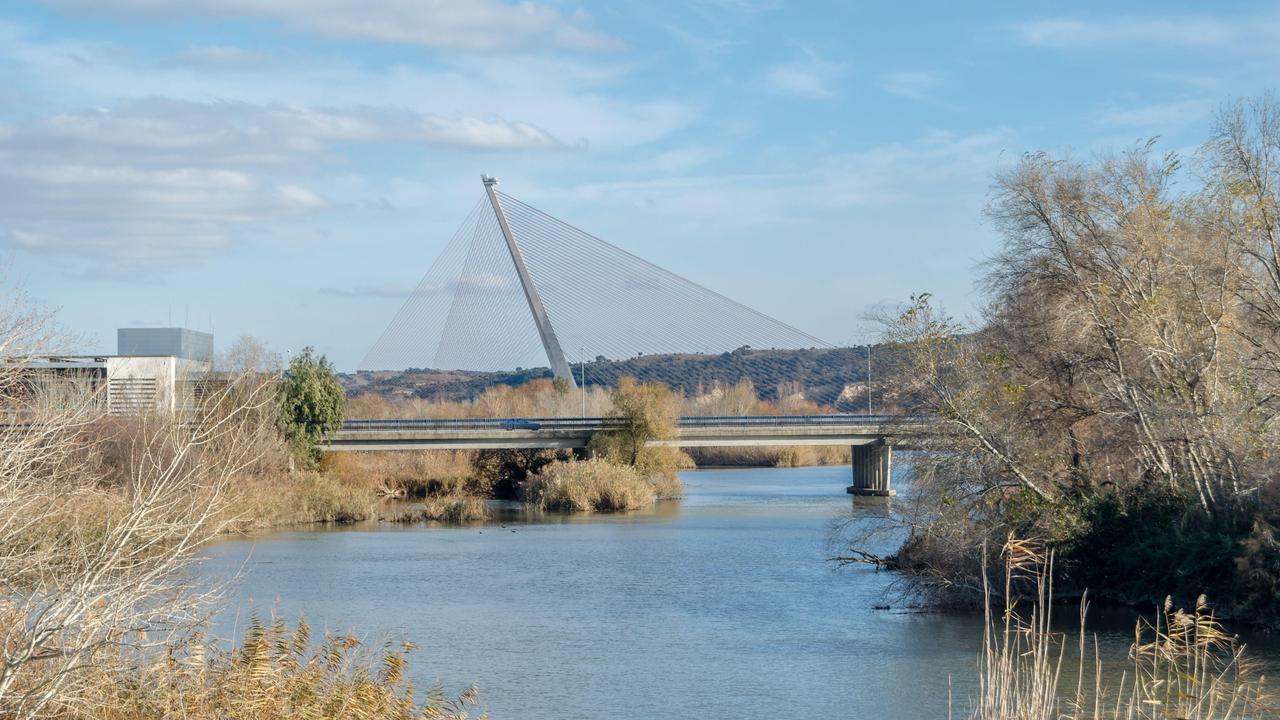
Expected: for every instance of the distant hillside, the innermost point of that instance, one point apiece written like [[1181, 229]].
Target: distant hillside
[[832, 377]]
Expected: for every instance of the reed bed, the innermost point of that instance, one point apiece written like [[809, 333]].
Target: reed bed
[[259, 502], [1182, 665], [278, 672], [427, 473], [596, 485], [452, 510]]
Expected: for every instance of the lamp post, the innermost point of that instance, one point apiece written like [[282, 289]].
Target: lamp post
[[868, 378]]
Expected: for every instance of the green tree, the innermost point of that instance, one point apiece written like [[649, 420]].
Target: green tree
[[641, 412], [312, 402]]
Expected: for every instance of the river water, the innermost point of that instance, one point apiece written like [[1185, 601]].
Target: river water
[[722, 604]]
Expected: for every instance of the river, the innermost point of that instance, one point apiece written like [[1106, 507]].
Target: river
[[722, 604]]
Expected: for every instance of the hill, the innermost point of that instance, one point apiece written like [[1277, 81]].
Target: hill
[[832, 377]]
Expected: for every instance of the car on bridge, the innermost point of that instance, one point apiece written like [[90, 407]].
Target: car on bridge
[[520, 424]]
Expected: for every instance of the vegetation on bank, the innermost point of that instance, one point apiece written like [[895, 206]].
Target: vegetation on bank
[[277, 671], [1119, 399], [312, 402], [1182, 665], [102, 523], [626, 473], [590, 485]]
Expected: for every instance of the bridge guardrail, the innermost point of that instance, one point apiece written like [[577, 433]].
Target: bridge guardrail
[[597, 423]]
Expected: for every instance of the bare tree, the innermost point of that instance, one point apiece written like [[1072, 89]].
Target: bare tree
[[1130, 347], [95, 570]]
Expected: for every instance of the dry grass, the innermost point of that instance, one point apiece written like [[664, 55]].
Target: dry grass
[[258, 502], [537, 398], [452, 510], [1183, 665], [407, 474], [781, 456], [277, 674], [593, 485]]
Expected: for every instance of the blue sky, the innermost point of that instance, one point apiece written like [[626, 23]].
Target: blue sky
[[290, 168]]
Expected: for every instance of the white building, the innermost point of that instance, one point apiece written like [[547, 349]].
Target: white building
[[165, 378]]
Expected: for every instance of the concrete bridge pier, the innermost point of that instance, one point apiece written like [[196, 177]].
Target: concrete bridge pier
[[872, 464]]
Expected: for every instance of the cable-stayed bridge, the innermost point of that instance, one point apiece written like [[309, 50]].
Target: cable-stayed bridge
[[515, 285]]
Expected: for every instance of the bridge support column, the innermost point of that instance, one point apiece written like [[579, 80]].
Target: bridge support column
[[871, 470]]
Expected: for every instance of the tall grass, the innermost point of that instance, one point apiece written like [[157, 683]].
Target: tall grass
[[259, 502], [770, 456], [1182, 665], [453, 510], [537, 398], [429, 473], [278, 672], [593, 485]]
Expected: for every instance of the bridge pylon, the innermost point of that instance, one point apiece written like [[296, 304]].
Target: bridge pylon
[[550, 343]]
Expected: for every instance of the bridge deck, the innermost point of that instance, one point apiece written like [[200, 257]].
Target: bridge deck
[[702, 431]]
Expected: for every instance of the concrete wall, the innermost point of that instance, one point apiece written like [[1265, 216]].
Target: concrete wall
[[149, 384]]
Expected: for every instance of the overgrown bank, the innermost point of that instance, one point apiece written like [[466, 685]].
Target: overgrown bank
[[1119, 400]]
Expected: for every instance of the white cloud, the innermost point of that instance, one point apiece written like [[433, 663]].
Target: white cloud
[[676, 160], [369, 291], [1163, 117], [155, 182], [547, 98], [936, 163], [810, 78], [224, 56], [1175, 31], [484, 134], [469, 25], [913, 85], [798, 81]]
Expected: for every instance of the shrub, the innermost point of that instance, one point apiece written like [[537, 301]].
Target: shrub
[[312, 403]]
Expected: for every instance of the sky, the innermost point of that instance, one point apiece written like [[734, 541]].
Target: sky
[[288, 169]]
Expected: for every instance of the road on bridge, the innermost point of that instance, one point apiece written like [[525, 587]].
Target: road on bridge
[[694, 431]]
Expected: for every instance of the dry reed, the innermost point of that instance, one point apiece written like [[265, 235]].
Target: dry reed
[[1182, 665]]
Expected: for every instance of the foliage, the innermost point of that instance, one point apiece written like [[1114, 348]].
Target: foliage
[[408, 474], [312, 402], [1119, 399], [642, 413]]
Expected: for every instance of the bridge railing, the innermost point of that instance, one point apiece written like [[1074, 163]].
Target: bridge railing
[[598, 423]]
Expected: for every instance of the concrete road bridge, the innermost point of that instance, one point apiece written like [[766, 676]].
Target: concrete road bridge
[[871, 437]]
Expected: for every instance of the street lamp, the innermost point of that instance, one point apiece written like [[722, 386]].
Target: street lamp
[[868, 378]]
